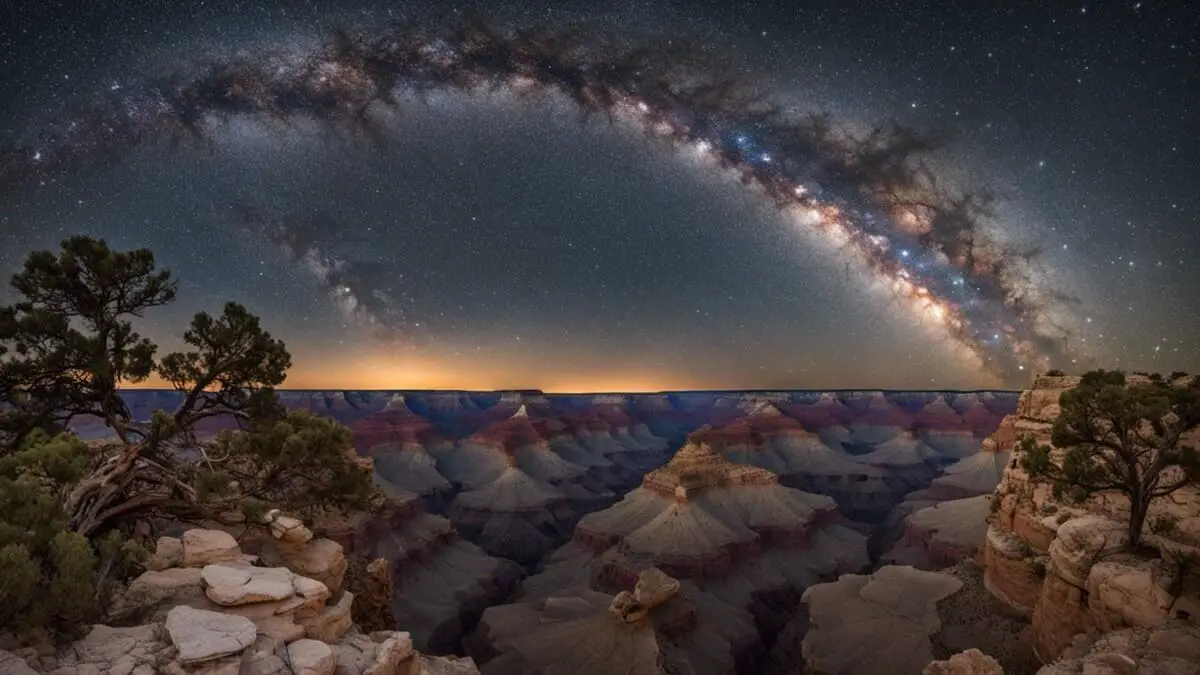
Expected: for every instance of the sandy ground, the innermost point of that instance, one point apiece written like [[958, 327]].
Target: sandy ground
[[971, 619]]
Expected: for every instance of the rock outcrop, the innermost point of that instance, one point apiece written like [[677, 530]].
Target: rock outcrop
[[440, 582], [975, 474], [226, 615], [656, 627], [771, 440], [970, 662], [874, 624], [732, 530], [1064, 566], [943, 534], [1172, 648], [941, 427], [519, 499], [402, 446]]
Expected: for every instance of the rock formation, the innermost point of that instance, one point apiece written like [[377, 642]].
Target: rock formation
[[519, 498], [771, 440], [1064, 566], [976, 474], [661, 625], [910, 464], [750, 543], [1172, 648], [874, 624], [970, 662], [941, 427], [880, 421], [399, 442], [440, 582], [943, 534], [827, 411], [213, 611]]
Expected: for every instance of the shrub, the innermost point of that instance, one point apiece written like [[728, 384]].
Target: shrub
[[1164, 524], [66, 510], [1119, 438]]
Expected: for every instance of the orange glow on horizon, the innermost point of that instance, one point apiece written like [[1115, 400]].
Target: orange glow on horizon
[[373, 373]]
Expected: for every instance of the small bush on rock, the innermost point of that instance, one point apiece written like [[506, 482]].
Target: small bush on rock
[[1164, 524]]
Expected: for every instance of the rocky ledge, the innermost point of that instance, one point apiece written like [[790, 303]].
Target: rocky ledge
[[1065, 567], [203, 607]]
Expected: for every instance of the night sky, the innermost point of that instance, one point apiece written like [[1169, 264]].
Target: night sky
[[491, 219]]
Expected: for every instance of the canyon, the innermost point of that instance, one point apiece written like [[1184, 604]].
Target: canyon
[[744, 532]]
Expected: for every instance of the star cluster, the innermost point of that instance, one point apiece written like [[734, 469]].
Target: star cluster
[[998, 268]]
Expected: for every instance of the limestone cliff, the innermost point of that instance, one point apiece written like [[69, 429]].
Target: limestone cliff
[[1063, 565]]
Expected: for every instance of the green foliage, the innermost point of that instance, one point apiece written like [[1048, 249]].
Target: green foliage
[[32, 480], [65, 347], [46, 572], [1118, 437], [71, 336], [298, 462]]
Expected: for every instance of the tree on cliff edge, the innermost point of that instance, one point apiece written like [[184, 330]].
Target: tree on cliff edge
[[1122, 438], [65, 506]]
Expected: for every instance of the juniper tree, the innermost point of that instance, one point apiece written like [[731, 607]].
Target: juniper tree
[[65, 349], [1126, 438]]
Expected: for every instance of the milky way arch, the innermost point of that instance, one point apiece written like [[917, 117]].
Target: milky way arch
[[872, 193]]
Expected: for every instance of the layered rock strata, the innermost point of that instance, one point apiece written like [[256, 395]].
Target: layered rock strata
[[769, 439], [1065, 566], [732, 530], [943, 534], [519, 499]]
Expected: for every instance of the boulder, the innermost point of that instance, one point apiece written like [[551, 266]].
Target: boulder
[[1129, 592], [1081, 542], [168, 552], [447, 665], [205, 547], [201, 635], [310, 657], [332, 622], [1170, 649], [970, 662], [154, 588], [232, 586], [141, 650], [321, 559], [390, 653], [11, 664], [290, 530]]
